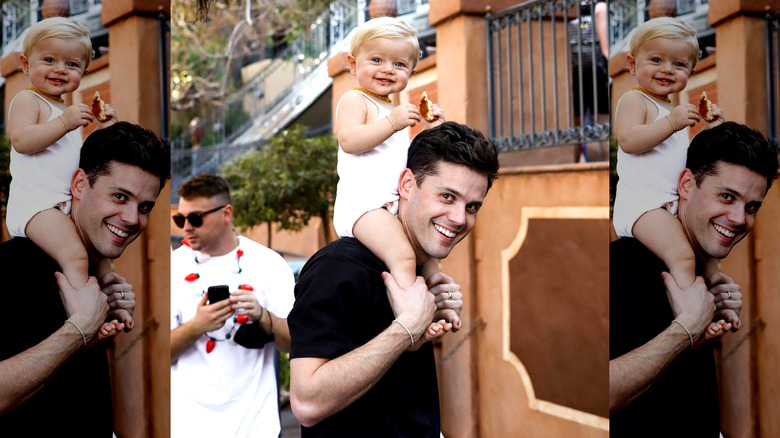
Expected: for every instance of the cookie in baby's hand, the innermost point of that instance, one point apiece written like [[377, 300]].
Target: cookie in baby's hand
[[705, 107], [99, 108], [426, 108]]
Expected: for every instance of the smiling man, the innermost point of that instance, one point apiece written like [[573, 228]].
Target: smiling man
[[659, 367], [51, 364], [357, 365]]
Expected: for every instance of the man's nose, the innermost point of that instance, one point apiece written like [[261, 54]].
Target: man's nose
[[457, 215], [129, 214], [737, 215]]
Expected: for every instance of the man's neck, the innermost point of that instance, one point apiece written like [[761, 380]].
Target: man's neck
[[226, 243]]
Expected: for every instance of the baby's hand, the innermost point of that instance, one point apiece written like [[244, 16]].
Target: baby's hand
[[405, 115], [439, 114], [684, 115], [111, 117], [77, 115], [718, 118]]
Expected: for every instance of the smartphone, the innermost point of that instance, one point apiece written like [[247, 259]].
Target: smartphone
[[218, 293]]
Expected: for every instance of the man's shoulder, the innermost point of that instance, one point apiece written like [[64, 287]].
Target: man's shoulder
[[19, 248], [346, 254], [628, 247], [348, 249]]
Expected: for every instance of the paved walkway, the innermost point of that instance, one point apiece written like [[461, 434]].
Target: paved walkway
[[290, 426]]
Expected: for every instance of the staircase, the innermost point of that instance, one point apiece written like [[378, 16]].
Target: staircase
[[277, 91]]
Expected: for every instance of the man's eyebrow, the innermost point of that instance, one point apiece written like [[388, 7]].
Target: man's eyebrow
[[458, 194], [737, 194], [120, 189]]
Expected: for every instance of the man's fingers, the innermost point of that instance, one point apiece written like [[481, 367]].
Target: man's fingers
[[390, 282], [62, 280]]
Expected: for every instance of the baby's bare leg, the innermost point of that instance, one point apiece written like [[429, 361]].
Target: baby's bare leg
[[663, 234], [382, 233], [55, 233]]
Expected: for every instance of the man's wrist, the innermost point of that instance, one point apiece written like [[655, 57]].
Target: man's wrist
[[687, 331]]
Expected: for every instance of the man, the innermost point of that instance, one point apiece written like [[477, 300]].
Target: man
[[352, 370], [53, 379], [662, 377], [223, 380]]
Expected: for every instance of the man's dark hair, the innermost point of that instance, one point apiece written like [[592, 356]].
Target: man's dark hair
[[455, 144], [205, 186], [732, 143], [125, 143]]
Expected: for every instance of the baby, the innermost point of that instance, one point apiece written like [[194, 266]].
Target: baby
[[653, 150], [46, 142], [373, 144]]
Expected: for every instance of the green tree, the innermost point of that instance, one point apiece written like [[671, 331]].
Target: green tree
[[288, 181]]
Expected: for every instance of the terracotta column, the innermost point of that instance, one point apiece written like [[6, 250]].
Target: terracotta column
[[141, 376], [747, 408], [461, 62]]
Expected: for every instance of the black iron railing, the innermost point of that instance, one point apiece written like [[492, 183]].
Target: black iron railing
[[547, 76]]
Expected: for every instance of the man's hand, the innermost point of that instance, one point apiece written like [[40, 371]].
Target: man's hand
[[448, 299], [413, 306], [87, 306], [210, 317], [693, 307], [245, 303], [728, 298], [121, 298]]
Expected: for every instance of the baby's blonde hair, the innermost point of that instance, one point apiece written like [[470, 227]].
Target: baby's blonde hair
[[60, 28], [390, 28], [669, 28]]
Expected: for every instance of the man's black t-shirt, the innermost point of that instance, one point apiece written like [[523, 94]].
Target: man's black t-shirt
[[77, 399], [683, 402], [341, 304]]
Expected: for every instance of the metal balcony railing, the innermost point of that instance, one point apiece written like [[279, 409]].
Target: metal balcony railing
[[626, 15], [546, 76], [19, 15], [773, 77]]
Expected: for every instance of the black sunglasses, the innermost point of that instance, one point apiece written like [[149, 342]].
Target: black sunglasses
[[196, 219]]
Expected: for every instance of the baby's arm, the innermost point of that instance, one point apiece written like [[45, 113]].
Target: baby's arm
[[29, 135], [383, 234], [356, 134], [55, 233], [635, 134]]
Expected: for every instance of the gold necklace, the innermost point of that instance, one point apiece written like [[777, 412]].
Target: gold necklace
[[371, 93], [650, 93], [45, 94]]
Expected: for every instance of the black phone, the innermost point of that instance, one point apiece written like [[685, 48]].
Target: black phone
[[218, 293]]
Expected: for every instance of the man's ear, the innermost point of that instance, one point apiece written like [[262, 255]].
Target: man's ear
[[405, 183], [78, 183], [228, 213], [685, 183]]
